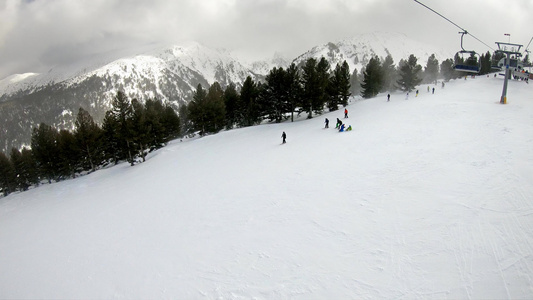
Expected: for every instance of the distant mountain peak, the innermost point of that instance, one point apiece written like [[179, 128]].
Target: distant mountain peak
[[358, 50]]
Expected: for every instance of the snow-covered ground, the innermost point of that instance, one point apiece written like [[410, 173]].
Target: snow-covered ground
[[430, 197]]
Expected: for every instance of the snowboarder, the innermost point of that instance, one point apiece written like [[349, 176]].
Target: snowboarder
[[342, 128], [345, 113], [284, 136], [327, 123], [388, 97], [349, 128]]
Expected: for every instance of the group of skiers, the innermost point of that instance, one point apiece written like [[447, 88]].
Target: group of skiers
[[340, 126], [416, 95]]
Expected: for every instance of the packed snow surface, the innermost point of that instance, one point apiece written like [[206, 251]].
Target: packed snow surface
[[430, 197]]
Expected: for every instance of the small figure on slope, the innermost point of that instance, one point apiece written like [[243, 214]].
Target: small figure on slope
[[284, 136], [349, 128], [345, 113], [327, 123], [339, 123], [342, 128]]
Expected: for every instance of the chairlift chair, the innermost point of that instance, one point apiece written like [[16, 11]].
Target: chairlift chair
[[472, 63]]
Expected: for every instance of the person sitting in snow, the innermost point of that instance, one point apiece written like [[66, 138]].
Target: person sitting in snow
[[342, 128], [349, 128]]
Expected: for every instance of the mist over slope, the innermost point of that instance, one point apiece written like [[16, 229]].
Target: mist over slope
[[426, 198]]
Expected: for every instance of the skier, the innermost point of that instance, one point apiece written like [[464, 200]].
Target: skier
[[433, 91], [428, 88], [342, 128], [388, 97], [345, 113], [327, 123], [339, 123], [284, 136], [416, 93], [407, 96]]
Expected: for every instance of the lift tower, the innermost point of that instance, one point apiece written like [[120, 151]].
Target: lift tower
[[508, 49]]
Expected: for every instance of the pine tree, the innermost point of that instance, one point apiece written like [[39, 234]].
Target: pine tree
[[121, 112], [294, 89], [185, 122], [216, 108], [389, 74], [409, 74], [231, 101], [207, 111], [249, 110], [141, 128], [69, 154], [197, 110], [24, 167], [496, 57], [110, 138], [171, 123], [311, 87], [89, 140], [323, 71], [7, 175], [45, 150], [486, 65], [274, 96], [432, 70], [373, 78], [446, 69], [339, 87]]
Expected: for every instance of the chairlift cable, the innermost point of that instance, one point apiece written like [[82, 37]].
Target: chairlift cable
[[464, 30], [527, 47]]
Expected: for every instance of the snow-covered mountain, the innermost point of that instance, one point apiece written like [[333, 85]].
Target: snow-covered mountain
[[179, 66], [170, 73], [358, 50]]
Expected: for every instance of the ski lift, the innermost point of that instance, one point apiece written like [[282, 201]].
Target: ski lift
[[473, 62]]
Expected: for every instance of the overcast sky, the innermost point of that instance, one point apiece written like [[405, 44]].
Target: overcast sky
[[36, 35]]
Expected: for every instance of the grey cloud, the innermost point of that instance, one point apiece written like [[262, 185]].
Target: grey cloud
[[39, 34]]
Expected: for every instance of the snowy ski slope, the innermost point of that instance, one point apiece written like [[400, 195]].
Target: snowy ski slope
[[427, 198]]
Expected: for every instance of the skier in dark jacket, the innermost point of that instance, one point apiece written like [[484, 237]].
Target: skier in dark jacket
[[339, 123], [327, 123], [284, 136]]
